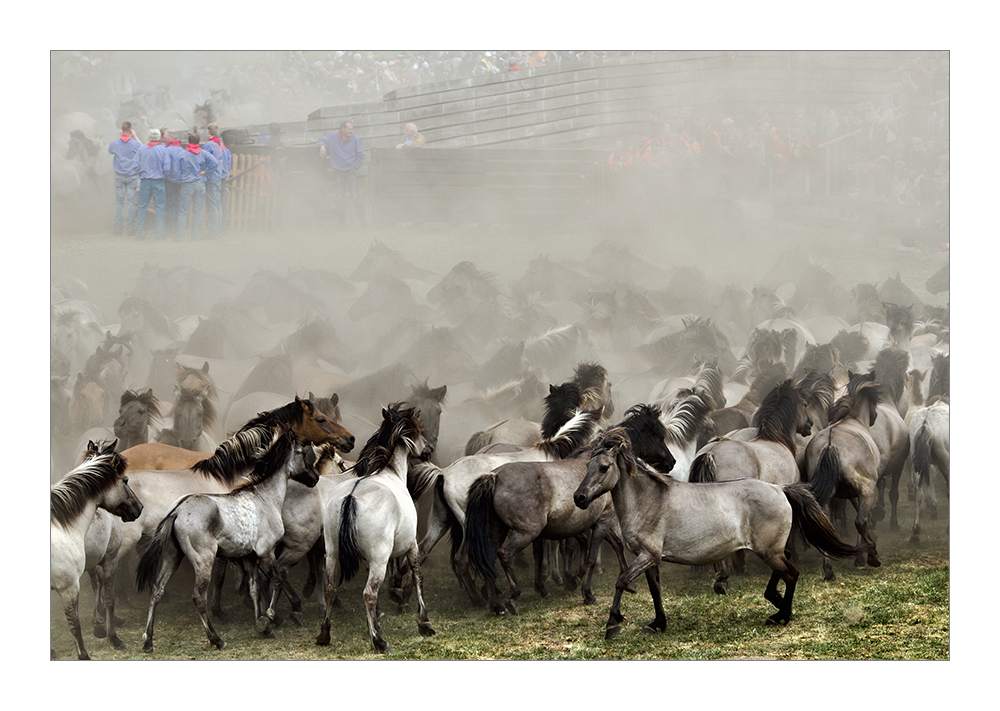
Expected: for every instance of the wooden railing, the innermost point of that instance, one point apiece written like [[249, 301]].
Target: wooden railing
[[249, 199]]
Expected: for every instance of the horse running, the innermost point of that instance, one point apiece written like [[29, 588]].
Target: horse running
[[372, 519], [843, 462], [930, 431], [99, 482], [242, 524], [700, 524]]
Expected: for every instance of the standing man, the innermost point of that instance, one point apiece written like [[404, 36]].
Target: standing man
[[172, 178], [126, 181], [153, 164], [346, 156], [214, 178], [195, 165], [411, 139]]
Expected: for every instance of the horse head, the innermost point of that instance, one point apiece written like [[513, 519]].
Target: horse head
[[313, 426], [611, 456], [427, 403], [135, 413]]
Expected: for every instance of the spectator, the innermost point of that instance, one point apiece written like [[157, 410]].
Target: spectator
[[214, 179], [536, 58], [196, 164], [346, 155], [172, 178], [124, 150], [411, 138], [153, 163]]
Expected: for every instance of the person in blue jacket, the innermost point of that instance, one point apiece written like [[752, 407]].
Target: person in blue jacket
[[214, 179], [346, 156], [195, 165], [153, 164], [172, 178], [126, 181]]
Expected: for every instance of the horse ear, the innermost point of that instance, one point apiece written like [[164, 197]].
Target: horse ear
[[552, 388], [385, 413], [204, 368], [311, 396], [871, 377], [439, 393], [334, 399]]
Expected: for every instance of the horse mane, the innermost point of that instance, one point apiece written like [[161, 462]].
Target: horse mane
[[232, 457], [270, 461], [852, 347], [399, 424], [860, 393], [686, 418], [708, 384], [147, 399], [421, 475], [618, 440], [647, 435], [559, 403], [69, 496], [890, 368], [818, 358], [817, 387], [775, 418], [940, 383], [574, 433], [767, 377]]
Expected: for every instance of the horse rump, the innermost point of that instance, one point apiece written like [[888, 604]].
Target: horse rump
[[347, 542], [478, 518], [814, 526]]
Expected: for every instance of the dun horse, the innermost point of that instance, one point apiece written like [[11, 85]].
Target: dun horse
[[700, 524]]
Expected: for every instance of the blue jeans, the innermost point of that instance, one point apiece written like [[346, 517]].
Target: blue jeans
[[125, 194], [346, 183], [173, 191], [151, 189], [193, 191], [213, 198]]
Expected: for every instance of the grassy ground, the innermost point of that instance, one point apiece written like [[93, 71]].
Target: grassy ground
[[899, 611]]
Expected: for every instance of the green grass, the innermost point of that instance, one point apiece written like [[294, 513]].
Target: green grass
[[896, 612]]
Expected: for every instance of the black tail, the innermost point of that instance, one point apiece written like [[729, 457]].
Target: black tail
[[149, 563], [478, 513], [702, 469], [827, 476], [813, 525], [347, 549], [922, 455]]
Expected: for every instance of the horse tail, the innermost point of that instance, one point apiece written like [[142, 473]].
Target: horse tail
[[827, 475], [922, 455], [703, 469], [477, 441], [478, 516], [348, 554], [814, 526], [150, 562]]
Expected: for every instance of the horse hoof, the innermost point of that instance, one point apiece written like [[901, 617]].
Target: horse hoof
[[542, 592], [263, 623], [380, 646], [296, 618], [775, 621], [116, 643], [829, 576], [100, 632], [426, 630], [509, 607], [220, 645], [874, 561], [147, 647], [323, 640], [652, 629], [915, 539], [720, 588], [611, 632], [589, 600]]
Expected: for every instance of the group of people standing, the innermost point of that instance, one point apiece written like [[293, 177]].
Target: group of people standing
[[176, 179]]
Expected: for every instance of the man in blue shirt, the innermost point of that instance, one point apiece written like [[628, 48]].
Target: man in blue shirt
[[126, 181], [215, 178], [346, 156], [153, 164], [195, 165], [172, 180]]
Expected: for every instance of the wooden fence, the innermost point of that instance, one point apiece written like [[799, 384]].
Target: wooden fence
[[250, 197]]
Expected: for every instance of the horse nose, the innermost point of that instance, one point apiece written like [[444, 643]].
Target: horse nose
[[580, 500]]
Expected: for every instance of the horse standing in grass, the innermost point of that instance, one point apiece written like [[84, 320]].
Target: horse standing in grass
[[372, 519], [700, 524], [242, 524], [99, 482]]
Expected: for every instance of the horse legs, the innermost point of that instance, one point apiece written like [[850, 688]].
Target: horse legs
[[539, 548], [314, 561], [218, 579], [423, 621], [71, 609], [331, 574], [515, 543], [659, 622], [202, 579], [861, 524], [108, 570], [171, 559], [642, 562], [781, 569], [100, 627], [721, 584], [376, 574]]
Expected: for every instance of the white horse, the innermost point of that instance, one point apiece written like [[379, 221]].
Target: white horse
[[930, 432], [99, 482], [372, 519], [244, 524]]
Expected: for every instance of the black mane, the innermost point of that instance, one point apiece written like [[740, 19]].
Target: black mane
[[69, 496]]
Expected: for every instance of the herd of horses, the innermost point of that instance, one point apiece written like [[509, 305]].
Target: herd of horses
[[748, 419]]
